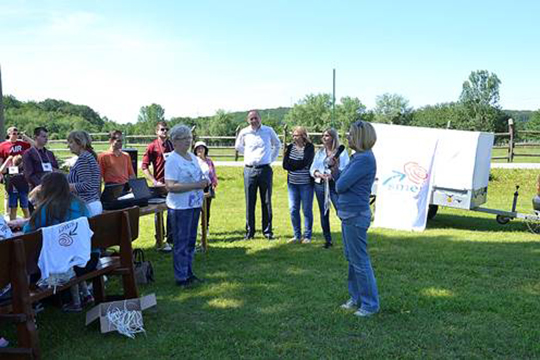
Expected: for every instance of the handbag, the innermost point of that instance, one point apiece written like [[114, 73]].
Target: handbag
[[144, 272]]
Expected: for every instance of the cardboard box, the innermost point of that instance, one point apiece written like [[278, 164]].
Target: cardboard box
[[100, 311]]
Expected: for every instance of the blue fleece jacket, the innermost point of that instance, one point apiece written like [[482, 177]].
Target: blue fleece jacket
[[353, 183]]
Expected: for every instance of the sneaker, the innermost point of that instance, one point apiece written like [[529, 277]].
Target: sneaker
[[184, 283], [327, 245], [166, 248], [364, 313], [269, 236], [72, 307], [306, 241], [293, 241], [349, 305]]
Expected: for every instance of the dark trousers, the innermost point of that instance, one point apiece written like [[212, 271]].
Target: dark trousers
[[258, 178]]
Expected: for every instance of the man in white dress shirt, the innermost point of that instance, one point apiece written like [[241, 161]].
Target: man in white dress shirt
[[260, 146]]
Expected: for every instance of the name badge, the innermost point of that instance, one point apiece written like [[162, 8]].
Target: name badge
[[166, 155], [13, 170], [47, 167]]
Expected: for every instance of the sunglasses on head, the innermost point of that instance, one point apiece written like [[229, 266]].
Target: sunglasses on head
[[359, 123]]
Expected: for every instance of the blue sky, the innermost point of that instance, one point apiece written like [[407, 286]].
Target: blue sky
[[195, 57]]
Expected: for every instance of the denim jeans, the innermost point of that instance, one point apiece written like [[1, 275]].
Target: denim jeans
[[301, 195], [183, 228], [258, 178], [361, 280], [325, 219]]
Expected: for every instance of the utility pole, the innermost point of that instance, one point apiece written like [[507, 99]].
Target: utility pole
[[333, 97], [2, 121]]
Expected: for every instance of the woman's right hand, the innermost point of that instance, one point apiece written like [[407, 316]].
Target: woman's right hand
[[203, 183]]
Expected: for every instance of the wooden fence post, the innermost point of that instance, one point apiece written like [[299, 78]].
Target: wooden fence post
[[511, 142], [284, 139], [236, 136]]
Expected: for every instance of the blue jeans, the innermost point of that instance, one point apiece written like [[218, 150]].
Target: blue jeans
[[325, 219], [183, 228], [361, 281], [301, 195]]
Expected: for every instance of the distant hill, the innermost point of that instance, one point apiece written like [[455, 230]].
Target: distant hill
[[521, 116]]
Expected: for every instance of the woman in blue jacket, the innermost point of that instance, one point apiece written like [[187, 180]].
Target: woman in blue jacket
[[353, 186]]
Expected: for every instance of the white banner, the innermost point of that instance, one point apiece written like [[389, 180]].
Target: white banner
[[404, 185]]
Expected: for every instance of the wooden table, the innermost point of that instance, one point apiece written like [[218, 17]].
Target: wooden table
[[159, 223]]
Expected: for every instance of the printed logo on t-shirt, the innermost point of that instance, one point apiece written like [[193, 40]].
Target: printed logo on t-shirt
[[67, 233], [16, 149]]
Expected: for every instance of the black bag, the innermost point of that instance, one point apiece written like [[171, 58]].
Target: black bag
[[144, 272]]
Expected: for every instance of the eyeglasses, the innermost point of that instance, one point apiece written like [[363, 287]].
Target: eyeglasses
[[164, 129]]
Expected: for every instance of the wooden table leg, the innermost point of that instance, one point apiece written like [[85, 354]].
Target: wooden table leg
[[204, 226], [158, 219]]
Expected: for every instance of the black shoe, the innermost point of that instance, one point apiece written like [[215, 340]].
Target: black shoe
[[195, 280], [327, 245], [184, 283], [269, 236], [248, 237]]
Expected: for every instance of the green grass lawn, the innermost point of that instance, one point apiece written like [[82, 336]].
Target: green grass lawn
[[466, 287]]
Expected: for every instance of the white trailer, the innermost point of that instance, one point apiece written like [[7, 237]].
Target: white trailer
[[461, 166]]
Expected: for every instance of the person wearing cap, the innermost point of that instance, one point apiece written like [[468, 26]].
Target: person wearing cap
[[10, 148], [209, 170], [155, 155], [260, 146]]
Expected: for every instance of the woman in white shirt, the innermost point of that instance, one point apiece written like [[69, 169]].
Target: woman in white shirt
[[325, 159], [185, 183]]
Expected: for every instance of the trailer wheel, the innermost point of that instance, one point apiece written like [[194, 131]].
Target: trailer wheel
[[503, 220], [432, 211]]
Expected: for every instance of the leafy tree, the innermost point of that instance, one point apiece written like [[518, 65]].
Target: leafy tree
[[534, 122], [313, 112], [440, 115], [350, 110], [148, 118], [480, 96], [392, 109]]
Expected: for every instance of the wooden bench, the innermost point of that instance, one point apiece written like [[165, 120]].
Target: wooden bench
[[18, 260]]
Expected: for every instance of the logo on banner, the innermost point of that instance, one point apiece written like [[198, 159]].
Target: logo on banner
[[410, 179]]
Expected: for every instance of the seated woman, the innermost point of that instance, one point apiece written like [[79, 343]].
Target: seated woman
[[57, 205]]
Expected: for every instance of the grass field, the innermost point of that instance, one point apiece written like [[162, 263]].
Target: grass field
[[466, 287]]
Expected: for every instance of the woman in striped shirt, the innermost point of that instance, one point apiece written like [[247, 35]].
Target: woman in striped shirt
[[84, 177], [297, 161]]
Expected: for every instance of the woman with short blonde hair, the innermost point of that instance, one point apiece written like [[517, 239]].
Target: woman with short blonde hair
[[353, 185]]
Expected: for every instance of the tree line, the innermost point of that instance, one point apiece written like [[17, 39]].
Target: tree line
[[476, 109]]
